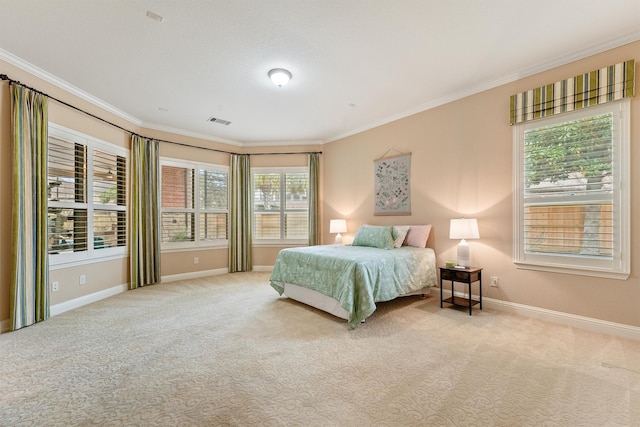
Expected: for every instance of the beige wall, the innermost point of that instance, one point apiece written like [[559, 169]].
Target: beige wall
[[99, 276], [5, 200], [461, 165], [105, 275], [265, 255], [183, 262]]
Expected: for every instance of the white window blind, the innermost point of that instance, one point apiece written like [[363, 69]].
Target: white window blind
[[86, 197], [194, 204], [280, 204], [572, 210], [66, 191], [213, 193], [569, 187], [178, 207], [109, 200]]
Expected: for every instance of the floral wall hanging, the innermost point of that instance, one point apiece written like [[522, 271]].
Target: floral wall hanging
[[392, 185]]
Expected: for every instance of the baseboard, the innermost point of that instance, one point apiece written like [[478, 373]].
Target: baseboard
[[86, 299], [582, 322], [218, 271], [194, 275], [5, 325], [60, 308]]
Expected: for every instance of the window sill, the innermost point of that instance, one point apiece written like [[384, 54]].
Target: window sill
[[166, 250], [580, 271], [279, 243], [60, 265]]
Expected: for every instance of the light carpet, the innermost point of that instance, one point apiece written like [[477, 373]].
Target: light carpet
[[227, 350]]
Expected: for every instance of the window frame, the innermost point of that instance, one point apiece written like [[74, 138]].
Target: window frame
[[196, 210], [618, 267], [91, 254], [282, 211]]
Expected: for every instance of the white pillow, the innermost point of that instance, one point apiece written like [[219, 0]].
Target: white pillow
[[402, 231]]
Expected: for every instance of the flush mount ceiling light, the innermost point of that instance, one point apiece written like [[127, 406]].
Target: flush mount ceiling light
[[279, 76]]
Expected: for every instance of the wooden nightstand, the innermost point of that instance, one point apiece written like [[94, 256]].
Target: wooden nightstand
[[462, 275]]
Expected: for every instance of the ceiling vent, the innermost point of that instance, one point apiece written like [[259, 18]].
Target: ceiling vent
[[219, 121]]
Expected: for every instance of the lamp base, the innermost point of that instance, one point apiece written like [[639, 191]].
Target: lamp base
[[338, 240], [464, 257]]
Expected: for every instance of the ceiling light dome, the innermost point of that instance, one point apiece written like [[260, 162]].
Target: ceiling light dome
[[279, 76]]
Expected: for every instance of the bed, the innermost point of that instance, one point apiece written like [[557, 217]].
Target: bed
[[348, 280]]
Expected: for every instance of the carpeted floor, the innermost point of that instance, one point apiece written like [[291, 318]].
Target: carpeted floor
[[227, 350]]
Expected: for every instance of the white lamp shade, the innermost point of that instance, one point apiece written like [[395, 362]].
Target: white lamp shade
[[464, 228], [338, 226], [279, 76]]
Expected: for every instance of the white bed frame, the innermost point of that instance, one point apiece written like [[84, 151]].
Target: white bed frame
[[325, 303]]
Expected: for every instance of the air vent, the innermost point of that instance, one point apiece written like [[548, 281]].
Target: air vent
[[219, 121]]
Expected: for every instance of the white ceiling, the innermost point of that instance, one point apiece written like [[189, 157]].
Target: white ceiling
[[355, 63]]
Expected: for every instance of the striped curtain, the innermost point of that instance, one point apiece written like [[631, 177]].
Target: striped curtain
[[314, 206], [29, 301], [596, 87], [240, 214], [145, 243]]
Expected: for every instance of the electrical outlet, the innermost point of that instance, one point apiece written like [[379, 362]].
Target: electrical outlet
[[196, 260], [55, 286], [83, 279], [495, 281]]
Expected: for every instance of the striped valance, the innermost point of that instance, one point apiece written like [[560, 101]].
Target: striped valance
[[597, 87]]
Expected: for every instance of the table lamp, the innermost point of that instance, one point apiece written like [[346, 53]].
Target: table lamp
[[338, 226], [464, 228]]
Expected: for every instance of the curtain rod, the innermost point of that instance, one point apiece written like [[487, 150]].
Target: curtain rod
[[66, 104]]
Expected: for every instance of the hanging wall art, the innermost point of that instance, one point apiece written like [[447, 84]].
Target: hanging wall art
[[392, 184]]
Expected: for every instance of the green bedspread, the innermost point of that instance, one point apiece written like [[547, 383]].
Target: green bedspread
[[356, 276]]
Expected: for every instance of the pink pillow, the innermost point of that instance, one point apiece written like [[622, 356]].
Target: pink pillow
[[418, 236]]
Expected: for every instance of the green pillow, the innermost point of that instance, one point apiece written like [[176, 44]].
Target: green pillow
[[374, 236]]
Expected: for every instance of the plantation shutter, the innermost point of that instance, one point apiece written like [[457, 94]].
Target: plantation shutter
[[266, 205], [297, 205], [178, 207], [109, 198], [281, 204], [213, 204], [67, 196], [569, 188]]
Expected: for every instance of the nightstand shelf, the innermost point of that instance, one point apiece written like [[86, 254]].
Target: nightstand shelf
[[462, 302], [467, 276]]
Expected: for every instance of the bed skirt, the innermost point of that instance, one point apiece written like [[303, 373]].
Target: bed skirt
[[326, 303]]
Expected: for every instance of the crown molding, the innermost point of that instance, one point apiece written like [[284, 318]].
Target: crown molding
[[554, 63], [182, 132], [283, 143], [67, 87]]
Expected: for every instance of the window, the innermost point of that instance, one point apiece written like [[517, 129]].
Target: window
[[572, 192], [86, 189], [195, 208], [280, 205]]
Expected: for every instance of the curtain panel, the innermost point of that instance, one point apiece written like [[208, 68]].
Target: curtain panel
[[314, 206], [144, 237], [29, 301], [240, 214], [596, 87]]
